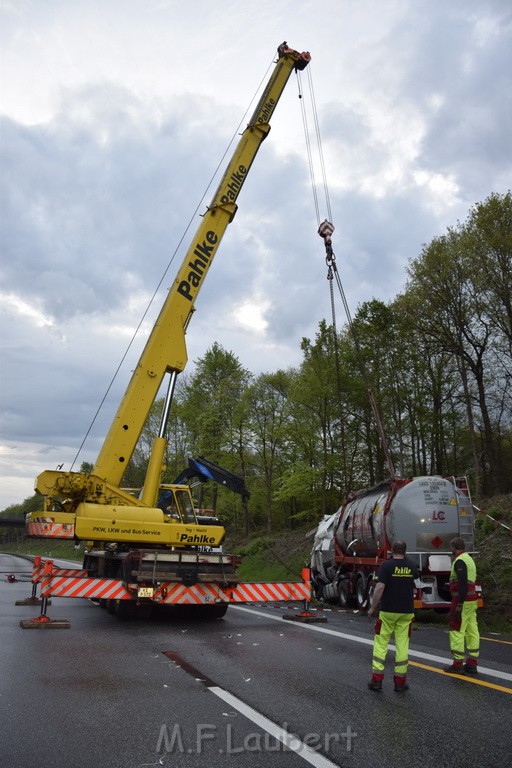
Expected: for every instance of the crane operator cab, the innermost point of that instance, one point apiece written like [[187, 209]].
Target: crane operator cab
[[176, 504]]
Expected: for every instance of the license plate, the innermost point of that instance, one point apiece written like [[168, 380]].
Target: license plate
[[145, 592]]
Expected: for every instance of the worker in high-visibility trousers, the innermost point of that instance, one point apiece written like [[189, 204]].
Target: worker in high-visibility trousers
[[395, 592], [464, 634]]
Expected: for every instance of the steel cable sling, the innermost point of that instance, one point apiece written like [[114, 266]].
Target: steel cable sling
[[325, 230]]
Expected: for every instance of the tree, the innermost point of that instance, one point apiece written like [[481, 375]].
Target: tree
[[318, 423], [433, 406], [210, 406], [447, 302], [488, 238], [266, 401]]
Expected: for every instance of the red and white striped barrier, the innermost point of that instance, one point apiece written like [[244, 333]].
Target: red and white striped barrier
[[71, 582], [55, 585], [203, 594], [47, 528]]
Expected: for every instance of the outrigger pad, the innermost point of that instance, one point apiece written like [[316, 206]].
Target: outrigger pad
[[43, 622], [306, 617], [31, 601]]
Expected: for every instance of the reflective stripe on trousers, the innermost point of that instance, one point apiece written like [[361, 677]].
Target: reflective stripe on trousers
[[468, 634], [397, 624]]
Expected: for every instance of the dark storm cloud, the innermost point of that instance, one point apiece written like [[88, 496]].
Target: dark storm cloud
[[466, 91], [93, 198]]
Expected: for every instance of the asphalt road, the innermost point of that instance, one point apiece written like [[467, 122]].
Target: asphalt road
[[252, 687]]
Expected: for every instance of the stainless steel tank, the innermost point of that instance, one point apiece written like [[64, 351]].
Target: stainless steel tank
[[425, 512]]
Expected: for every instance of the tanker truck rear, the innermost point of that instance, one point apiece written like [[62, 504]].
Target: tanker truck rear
[[425, 512]]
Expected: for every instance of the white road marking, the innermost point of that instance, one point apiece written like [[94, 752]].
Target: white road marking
[[368, 641], [290, 742]]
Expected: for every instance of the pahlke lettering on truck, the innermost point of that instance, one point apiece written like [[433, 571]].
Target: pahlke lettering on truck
[[197, 538]]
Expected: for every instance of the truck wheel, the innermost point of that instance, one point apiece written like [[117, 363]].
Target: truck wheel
[[370, 591], [111, 607], [125, 609], [215, 611], [361, 591], [343, 594], [144, 611], [209, 612], [201, 612]]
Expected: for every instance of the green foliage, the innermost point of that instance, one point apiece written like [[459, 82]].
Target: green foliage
[[46, 548], [31, 504], [296, 481], [273, 558], [484, 526], [209, 400], [458, 301], [494, 560]]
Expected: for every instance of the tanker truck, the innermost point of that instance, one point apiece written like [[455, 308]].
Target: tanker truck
[[425, 512]]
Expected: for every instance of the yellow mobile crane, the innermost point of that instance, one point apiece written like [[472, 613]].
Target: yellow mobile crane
[[131, 539]]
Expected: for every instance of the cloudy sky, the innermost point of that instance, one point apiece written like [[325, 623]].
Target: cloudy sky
[[115, 115]]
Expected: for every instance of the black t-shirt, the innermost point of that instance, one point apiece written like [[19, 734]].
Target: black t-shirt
[[398, 577], [461, 571]]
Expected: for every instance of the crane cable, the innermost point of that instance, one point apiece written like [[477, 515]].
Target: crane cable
[[307, 136], [325, 230], [311, 93]]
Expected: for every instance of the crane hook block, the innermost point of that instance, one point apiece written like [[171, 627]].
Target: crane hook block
[[325, 230]]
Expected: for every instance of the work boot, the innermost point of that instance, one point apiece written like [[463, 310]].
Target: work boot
[[471, 668], [400, 683], [375, 683], [454, 669]]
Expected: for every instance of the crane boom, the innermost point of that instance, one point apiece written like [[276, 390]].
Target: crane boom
[[101, 510], [165, 351]]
